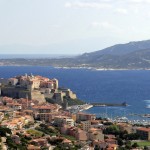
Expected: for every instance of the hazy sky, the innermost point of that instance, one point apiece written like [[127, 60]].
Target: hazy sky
[[71, 26]]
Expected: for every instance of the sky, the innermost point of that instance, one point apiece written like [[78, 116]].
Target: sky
[[71, 26]]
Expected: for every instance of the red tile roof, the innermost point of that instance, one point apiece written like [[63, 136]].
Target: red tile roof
[[144, 129]]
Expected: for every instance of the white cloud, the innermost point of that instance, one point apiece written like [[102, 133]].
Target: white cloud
[[135, 10], [121, 11], [98, 5], [139, 1], [136, 1], [55, 26], [68, 5], [107, 26], [102, 24]]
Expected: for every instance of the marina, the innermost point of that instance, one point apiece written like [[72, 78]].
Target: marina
[[134, 119]]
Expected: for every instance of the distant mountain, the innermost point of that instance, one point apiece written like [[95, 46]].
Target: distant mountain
[[133, 55], [121, 49]]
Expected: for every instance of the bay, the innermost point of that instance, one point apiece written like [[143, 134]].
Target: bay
[[130, 86]]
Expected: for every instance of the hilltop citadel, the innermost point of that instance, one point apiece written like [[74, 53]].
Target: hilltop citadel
[[36, 88]]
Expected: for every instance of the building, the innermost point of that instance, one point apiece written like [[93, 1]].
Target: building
[[69, 93], [95, 134], [36, 82], [66, 142], [81, 135], [6, 100], [96, 124], [16, 139], [63, 120], [47, 117], [40, 142], [125, 127], [86, 125], [1, 116], [55, 83], [12, 81], [144, 133], [59, 97], [69, 121], [84, 117], [32, 147], [46, 108], [15, 106]]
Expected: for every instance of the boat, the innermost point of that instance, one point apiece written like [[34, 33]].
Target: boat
[[146, 115], [121, 119]]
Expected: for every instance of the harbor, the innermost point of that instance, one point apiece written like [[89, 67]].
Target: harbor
[[132, 118]]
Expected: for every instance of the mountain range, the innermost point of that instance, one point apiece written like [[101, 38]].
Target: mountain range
[[132, 55]]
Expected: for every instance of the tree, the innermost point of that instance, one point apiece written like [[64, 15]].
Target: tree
[[128, 145], [123, 134], [134, 145], [121, 148], [4, 131], [132, 136], [112, 129], [145, 148], [120, 142], [96, 147]]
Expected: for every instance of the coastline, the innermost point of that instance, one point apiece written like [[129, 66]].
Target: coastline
[[88, 68], [103, 109]]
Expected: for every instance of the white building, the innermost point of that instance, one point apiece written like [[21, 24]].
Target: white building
[[69, 121]]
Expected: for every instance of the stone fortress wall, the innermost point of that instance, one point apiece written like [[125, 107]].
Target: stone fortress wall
[[35, 88]]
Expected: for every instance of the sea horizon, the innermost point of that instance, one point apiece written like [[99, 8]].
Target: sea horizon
[[34, 56]]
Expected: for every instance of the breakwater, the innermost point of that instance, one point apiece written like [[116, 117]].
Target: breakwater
[[109, 104]]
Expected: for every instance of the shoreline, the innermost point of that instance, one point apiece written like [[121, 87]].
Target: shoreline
[[100, 69], [88, 68]]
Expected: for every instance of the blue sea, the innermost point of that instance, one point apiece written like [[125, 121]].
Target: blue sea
[[130, 86]]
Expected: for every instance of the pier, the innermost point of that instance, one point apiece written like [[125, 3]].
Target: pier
[[124, 104]]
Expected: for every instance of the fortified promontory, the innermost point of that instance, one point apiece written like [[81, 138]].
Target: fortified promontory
[[36, 88]]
